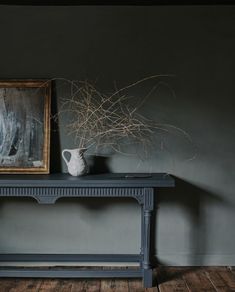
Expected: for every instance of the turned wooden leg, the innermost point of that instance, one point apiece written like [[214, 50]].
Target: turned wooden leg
[[146, 237]]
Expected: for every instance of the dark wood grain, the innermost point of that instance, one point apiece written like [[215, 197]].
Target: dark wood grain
[[110, 285], [92, 285], [26, 285], [77, 285], [136, 285], [107, 285], [49, 285], [64, 286], [229, 278], [217, 281], [7, 284], [197, 281], [169, 279]]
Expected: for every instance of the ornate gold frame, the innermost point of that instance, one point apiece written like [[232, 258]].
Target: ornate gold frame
[[45, 168]]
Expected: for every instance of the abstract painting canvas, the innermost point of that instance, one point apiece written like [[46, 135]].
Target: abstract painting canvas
[[24, 126]]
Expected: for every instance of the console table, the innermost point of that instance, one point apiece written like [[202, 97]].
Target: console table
[[46, 189]]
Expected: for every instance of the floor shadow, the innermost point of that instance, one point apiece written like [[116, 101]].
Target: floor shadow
[[165, 274], [194, 200]]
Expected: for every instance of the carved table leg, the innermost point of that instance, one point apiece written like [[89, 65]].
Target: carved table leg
[[146, 237]]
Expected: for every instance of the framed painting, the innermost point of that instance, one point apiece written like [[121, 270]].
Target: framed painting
[[24, 126]]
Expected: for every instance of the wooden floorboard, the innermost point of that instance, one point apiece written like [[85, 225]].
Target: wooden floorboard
[[77, 285], [135, 285], [229, 278], [49, 285], [217, 281], [197, 281], [171, 279], [167, 279]]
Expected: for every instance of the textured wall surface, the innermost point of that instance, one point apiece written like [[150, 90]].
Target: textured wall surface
[[195, 221]]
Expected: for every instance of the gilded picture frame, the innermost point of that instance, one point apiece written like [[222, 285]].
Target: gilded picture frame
[[25, 126]]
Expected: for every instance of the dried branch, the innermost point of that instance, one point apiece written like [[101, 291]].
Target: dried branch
[[99, 120]]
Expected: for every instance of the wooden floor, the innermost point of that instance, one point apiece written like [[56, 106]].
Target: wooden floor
[[166, 279]]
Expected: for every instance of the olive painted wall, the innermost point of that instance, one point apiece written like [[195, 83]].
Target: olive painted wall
[[195, 221]]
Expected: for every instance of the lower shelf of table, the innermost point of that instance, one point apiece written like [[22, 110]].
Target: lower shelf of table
[[69, 273], [9, 270], [70, 258]]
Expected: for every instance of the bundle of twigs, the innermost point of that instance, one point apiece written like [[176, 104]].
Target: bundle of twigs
[[98, 120]]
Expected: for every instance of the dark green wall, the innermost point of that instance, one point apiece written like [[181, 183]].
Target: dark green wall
[[195, 221]]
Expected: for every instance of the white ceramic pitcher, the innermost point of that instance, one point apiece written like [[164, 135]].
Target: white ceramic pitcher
[[77, 165]]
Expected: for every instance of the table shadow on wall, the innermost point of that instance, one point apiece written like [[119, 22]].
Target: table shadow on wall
[[194, 200]]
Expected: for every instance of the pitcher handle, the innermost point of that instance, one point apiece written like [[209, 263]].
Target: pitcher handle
[[63, 155]]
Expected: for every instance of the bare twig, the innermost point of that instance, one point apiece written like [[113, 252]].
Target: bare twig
[[101, 120]]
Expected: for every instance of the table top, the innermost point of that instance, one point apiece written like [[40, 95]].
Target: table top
[[94, 180]]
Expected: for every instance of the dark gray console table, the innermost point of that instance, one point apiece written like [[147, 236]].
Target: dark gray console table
[[46, 189]]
